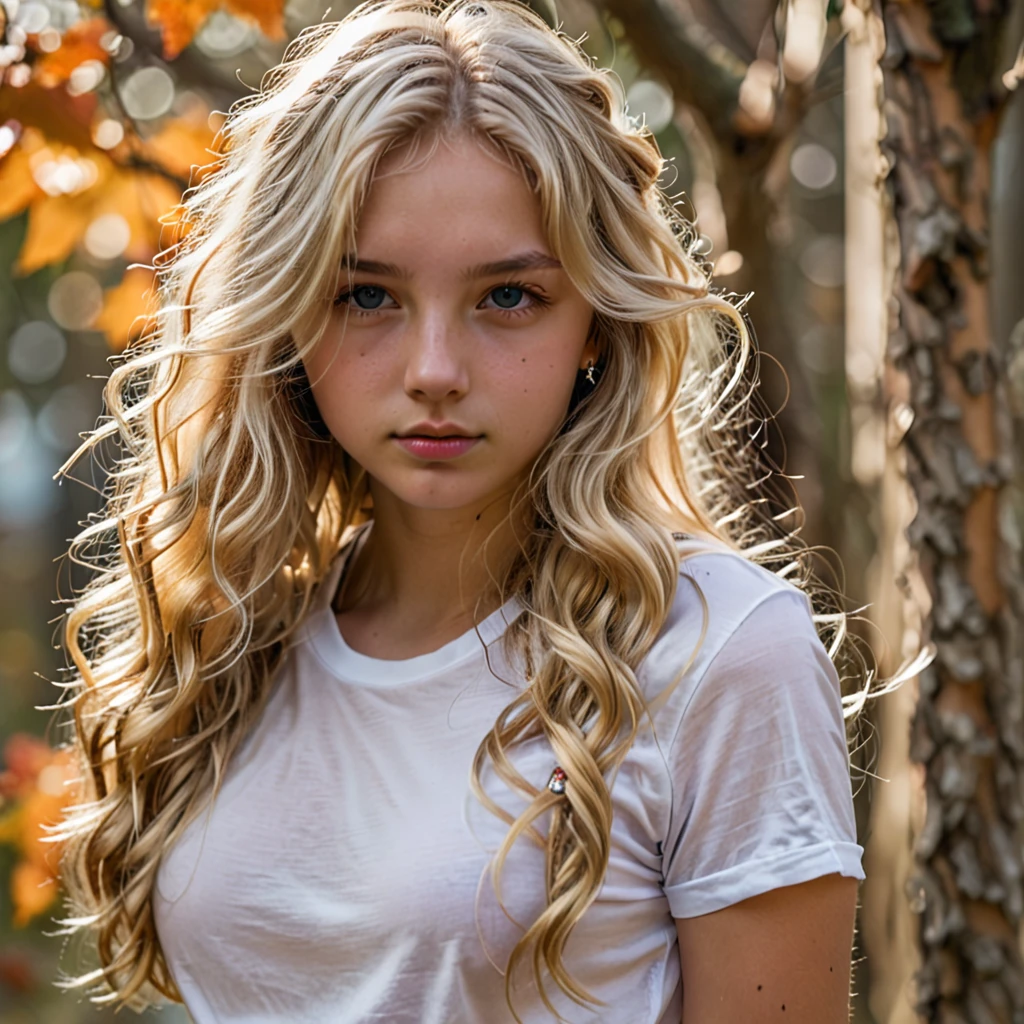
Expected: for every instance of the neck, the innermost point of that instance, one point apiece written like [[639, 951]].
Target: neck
[[430, 565]]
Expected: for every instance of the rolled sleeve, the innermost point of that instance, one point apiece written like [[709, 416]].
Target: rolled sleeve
[[759, 768]]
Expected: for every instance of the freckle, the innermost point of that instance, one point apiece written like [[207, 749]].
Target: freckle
[[783, 1005], [830, 970], [524, 360], [759, 988]]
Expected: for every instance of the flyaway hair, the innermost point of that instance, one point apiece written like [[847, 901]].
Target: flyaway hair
[[227, 500]]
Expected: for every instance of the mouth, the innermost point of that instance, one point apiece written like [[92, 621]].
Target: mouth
[[439, 437], [434, 447]]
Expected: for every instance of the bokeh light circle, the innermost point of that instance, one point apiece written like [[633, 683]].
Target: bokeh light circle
[[36, 352]]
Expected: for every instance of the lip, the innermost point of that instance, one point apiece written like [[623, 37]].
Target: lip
[[445, 428], [432, 449]]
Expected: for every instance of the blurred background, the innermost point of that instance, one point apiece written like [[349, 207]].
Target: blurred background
[[857, 166]]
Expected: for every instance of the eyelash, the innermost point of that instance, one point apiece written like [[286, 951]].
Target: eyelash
[[539, 300]]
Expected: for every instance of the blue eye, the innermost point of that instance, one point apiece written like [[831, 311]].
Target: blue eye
[[508, 292], [376, 297], [368, 299], [507, 299]]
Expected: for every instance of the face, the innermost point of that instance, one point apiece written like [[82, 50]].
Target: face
[[458, 321]]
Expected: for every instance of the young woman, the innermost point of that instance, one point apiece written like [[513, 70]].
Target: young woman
[[440, 673]]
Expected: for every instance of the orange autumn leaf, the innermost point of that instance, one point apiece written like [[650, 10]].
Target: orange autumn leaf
[[127, 307], [181, 144], [35, 174], [267, 14], [42, 809], [44, 783], [81, 42], [33, 889], [55, 226], [141, 199], [66, 186], [63, 119], [180, 20], [25, 756]]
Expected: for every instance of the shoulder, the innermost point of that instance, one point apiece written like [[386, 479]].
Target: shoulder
[[731, 582], [717, 591]]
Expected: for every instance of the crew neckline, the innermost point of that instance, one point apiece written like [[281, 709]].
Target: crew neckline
[[352, 666]]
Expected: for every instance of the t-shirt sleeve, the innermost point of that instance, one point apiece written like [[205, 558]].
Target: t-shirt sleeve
[[759, 767]]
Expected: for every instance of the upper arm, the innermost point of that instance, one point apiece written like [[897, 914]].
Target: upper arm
[[760, 773], [761, 860], [780, 956]]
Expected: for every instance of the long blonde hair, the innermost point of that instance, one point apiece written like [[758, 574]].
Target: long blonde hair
[[226, 506]]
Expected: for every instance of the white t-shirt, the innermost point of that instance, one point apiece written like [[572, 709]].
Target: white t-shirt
[[340, 877]]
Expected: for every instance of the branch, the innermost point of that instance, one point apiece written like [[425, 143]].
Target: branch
[[190, 69], [701, 70]]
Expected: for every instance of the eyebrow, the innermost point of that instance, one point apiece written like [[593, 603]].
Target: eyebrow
[[532, 260]]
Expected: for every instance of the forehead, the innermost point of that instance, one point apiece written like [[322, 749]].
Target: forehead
[[453, 190]]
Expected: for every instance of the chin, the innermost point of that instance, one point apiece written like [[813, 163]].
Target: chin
[[438, 487]]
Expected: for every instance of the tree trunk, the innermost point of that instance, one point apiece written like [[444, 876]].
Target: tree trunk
[[888, 926], [942, 110]]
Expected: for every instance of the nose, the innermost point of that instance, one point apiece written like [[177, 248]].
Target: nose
[[436, 366]]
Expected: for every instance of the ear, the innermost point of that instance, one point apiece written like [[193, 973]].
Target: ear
[[588, 357]]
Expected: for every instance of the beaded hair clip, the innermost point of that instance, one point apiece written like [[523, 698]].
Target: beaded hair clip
[[557, 781]]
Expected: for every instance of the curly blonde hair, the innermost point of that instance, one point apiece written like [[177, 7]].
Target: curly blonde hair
[[225, 509]]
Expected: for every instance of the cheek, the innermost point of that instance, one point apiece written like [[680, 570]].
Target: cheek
[[534, 394], [346, 382]]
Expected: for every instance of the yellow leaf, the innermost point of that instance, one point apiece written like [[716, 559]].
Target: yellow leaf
[[127, 307], [80, 43], [55, 226], [180, 20], [268, 15], [56, 222], [46, 783], [181, 145], [33, 889], [141, 199]]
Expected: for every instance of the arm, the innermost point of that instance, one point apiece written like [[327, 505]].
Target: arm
[[780, 956], [761, 859]]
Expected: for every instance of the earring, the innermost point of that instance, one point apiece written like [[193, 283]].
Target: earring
[[590, 374]]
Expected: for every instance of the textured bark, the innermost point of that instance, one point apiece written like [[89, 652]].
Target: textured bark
[[942, 110], [888, 925]]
